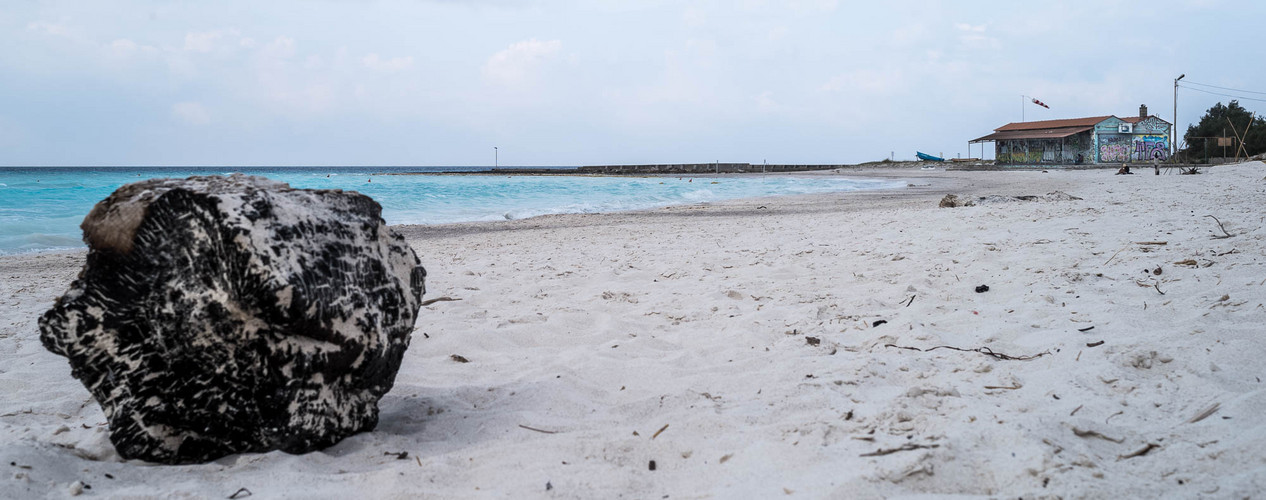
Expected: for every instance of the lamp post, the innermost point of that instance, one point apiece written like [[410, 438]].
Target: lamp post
[[496, 157], [1173, 129]]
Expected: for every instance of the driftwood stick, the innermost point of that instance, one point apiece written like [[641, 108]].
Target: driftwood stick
[[1115, 254], [1140, 452], [983, 350], [1089, 433], [1205, 414], [438, 299], [1220, 226], [905, 447]]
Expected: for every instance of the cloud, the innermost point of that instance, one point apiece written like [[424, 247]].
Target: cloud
[[520, 61], [776, 33], [192, 113], [202, 42], [393, 65], [815, 5], [48, 28], [281, 47], [867, 82], [123, 47], [973, 36], [765, 102], [694, 17]]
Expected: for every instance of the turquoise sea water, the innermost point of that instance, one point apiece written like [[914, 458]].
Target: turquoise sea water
[[41, 207]]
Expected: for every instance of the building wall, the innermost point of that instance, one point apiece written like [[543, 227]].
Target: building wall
[[1148, 141], [1070, 150]]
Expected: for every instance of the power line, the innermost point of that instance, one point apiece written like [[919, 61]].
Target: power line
[[1225, 88], [1223, 95]]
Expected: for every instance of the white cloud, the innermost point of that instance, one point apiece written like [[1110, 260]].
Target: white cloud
[[814, 5], [776, 33], [973, 37], [281, 47], [867, 81], [765, 102], [518, 62], [393, 65], [694, 17], [202, 42], [48, 28], [190, 112], [123, 47]]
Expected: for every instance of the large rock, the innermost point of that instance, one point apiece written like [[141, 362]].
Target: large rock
[[220, 315]]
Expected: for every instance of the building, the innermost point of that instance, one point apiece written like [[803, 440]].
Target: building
[[1077, 141]]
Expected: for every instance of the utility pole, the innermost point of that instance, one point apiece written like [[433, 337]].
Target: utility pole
[[1173, 129]]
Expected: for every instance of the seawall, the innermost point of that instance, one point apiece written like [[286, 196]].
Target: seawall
[[701, 168]]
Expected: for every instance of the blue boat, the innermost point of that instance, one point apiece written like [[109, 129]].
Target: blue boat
[[927, 157]]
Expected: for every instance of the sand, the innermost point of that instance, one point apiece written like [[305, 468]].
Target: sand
[[757, 349]]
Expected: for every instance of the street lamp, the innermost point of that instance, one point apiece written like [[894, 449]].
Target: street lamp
[[1173, 129]]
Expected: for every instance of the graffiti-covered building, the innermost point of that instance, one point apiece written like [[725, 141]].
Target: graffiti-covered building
[[1076, 141]]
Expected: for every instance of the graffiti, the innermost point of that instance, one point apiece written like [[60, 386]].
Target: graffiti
[[1114, 153], [1151, 148], [1021, 157], [1045, 151], [1125, 148], [1115, 148], [1152, 125]]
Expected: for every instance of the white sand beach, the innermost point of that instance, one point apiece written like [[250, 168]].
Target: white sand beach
[[757, 349]]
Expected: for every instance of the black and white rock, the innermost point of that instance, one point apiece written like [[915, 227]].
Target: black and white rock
[[220, 315]]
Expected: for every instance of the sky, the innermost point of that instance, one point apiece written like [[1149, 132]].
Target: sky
[[591, 82]]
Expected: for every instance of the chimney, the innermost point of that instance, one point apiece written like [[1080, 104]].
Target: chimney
[[1142, 111]]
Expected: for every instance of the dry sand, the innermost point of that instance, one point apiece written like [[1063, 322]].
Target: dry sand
[[734, 350]]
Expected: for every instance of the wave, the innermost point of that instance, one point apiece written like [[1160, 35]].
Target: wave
[[49, 217]]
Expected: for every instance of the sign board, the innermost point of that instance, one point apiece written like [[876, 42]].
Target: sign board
[[1225, 141]]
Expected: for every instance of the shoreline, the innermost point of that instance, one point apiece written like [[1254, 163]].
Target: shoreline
[[758, 348], [922, 186], [82, 249]]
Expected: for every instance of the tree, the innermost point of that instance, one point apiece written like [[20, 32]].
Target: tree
[[1217, 122]]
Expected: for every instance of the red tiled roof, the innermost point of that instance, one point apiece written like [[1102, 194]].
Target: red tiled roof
[[1045, 124], [1049, 133]]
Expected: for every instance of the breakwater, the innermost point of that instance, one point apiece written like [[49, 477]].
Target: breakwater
[[702, 168], [666, 168]]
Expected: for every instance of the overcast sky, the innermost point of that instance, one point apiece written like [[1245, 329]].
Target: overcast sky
[[584, 82]]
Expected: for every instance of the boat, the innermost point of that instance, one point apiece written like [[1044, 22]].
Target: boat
[[927, 157]]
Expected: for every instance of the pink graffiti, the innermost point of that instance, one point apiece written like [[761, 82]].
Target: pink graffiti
[[1147, 150], [1114, 152]]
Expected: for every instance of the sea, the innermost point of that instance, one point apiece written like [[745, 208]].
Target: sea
[[41, 207]]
